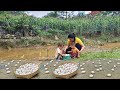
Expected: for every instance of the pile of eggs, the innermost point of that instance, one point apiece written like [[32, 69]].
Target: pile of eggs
[[65, 69], [26, 69]]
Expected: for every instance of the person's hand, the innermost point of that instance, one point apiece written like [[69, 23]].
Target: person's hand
[[80, 51], [69, 51], [78, 56], [63, 54]]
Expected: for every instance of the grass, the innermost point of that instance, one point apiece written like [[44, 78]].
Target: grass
[[114, 54]]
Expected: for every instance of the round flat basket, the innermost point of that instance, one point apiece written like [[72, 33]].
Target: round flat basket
[[28, 76], [67, 76]]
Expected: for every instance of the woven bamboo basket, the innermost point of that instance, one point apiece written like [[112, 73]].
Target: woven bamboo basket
[[29, 75], [68, 75]]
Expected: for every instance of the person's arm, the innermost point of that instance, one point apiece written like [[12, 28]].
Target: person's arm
[[78, 52], [82, 48]]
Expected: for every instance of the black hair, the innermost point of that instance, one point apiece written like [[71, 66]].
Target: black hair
[[72, 36]]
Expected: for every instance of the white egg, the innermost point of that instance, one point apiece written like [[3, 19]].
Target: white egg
[[7, 68], [15, 65], [92, 72], [18, 62], [110, 61], [96, 66], [100, 65], [80, 65], [8, 72], [44, 65], [91, 76], [56, 62], [83, 64], [99, 62], [54, 65], [115, 66], [97, 70], [100, 69], [51, 61], [46, 68], [93, 62], [8, 63], [46, 72], [47, 63], [83, 72], [112, 69], [109, 75], [82, 68], [118, 63]]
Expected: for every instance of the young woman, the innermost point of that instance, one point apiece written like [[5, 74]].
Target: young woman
[[78, 43]]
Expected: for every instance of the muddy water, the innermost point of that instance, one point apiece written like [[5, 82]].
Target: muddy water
[[44, 52], [28, 53]]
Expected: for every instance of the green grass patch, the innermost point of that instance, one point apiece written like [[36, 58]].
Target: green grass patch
[[114, 54]]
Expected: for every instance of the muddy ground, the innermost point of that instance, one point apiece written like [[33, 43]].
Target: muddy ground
[[88, 67]]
